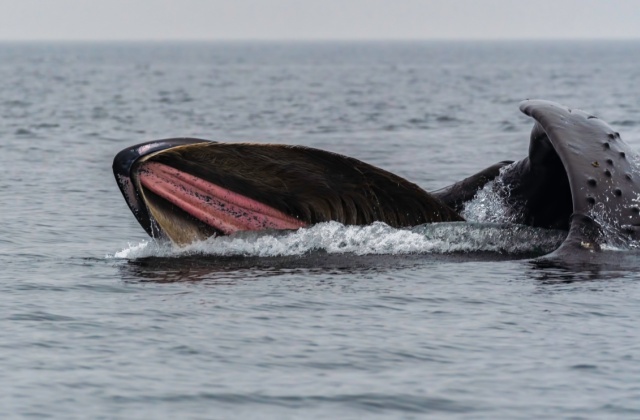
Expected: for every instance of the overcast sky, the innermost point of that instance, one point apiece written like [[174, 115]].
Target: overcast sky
[[317, 19]]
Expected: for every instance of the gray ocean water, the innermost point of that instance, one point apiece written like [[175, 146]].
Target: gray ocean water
[[452, 321]]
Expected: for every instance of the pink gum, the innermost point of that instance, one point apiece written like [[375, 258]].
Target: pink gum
[[225, 210]]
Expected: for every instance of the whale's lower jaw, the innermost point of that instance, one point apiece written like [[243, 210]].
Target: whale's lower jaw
[[189, 208], [171, 222]]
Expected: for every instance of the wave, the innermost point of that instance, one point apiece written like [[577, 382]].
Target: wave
[[377, 238]]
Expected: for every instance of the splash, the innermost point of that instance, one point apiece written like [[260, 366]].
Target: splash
[[615, 233], [494, 204], [490, 203], [378, 238], [613, 236]]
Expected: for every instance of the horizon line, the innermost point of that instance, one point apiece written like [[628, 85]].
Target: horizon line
[[311, 40]]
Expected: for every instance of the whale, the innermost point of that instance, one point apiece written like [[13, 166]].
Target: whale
[[578, 176]]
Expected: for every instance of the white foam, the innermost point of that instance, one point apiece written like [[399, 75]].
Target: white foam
[[489, 205], [378, 238]]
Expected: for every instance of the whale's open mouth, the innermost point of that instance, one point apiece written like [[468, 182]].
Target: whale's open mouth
[[191, 189]]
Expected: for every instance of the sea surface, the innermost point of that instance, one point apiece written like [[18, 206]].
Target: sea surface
[[447, 321]]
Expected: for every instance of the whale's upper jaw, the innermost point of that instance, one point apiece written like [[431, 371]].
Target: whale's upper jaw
[[123, 170], [601, 171]]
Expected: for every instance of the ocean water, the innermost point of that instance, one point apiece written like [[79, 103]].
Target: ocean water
[[447, 320]]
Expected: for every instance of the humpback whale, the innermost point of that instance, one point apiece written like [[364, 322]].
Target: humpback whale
[[578, 176]]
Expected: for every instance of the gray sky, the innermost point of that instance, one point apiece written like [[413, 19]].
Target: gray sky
[[317, 19]]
